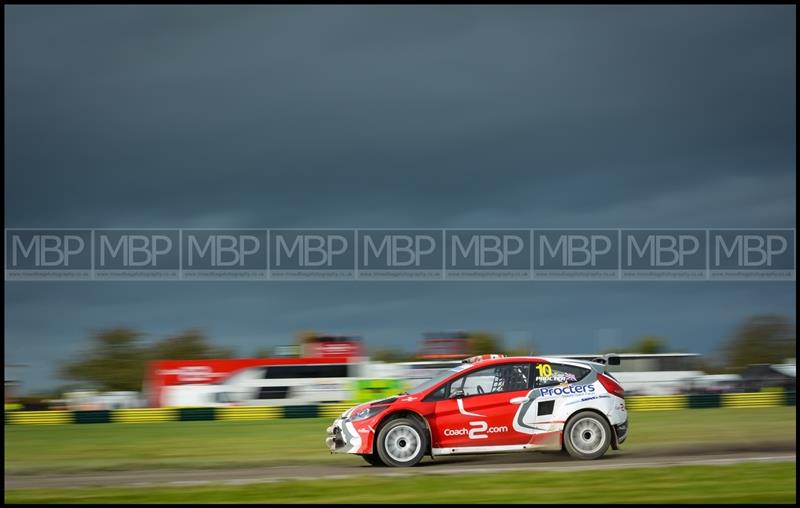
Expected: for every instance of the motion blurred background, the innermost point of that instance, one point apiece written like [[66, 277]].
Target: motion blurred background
[[120, 369]]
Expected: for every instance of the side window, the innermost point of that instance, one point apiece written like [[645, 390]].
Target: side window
[[551, 374], [497, 379]]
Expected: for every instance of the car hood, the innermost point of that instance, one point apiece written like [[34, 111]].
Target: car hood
[[377, 402]]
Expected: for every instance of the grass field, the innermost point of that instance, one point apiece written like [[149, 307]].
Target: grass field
[[740, 483], [204, 444]]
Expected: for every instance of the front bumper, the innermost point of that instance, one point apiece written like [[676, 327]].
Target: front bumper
[[342, 437], [334, 439]]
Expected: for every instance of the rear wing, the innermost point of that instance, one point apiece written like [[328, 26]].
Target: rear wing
[[616, 358]]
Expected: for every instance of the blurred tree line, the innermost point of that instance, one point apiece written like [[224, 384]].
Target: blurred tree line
[[760, 339], [117, 358], [765, 338]]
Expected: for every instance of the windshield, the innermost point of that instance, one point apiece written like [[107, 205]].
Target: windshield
[[441, 375]]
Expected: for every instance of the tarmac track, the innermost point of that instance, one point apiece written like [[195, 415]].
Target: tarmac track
[[475, 464]]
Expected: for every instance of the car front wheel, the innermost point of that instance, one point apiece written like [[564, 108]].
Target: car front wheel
[[402, 442], [587, 436]]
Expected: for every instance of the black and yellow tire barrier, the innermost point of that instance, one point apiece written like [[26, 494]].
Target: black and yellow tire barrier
[[333, 410], [255, 413], [656, 402], [39, 417], [248, 413], [94, 416], [193, 414], [301, 411], [145, 415], [701, 400], [759, 399]]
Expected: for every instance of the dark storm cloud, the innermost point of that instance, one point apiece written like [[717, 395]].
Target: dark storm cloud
[[236, 114], [417, 116]]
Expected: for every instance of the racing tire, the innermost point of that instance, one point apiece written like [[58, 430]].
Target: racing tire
[[402, 442], [587, 436], [373, 460]]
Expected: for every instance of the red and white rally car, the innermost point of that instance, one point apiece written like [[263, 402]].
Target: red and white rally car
[[490, 403]]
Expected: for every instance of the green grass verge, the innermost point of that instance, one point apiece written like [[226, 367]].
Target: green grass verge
[[740, 483], [201, 444]]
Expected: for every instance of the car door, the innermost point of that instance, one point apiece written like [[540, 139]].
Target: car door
[[476, 409], [558, 386]]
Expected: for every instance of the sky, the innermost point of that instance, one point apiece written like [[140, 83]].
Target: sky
[[395, 116]]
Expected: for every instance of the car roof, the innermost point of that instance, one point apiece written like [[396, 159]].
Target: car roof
[[512, 359]]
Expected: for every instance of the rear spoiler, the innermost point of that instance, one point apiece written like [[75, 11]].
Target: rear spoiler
[[616, 358]]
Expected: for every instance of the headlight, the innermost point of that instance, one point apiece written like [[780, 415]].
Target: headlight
[[368, 413]]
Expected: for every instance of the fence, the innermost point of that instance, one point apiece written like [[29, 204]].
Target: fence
[[184, 414]]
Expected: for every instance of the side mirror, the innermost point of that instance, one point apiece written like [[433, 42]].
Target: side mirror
[[457, 394]]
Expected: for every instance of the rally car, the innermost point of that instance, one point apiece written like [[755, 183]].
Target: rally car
[[490, 403]]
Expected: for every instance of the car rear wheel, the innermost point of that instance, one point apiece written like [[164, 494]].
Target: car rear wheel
[[373, 459], [402, 442], [587, 436]]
